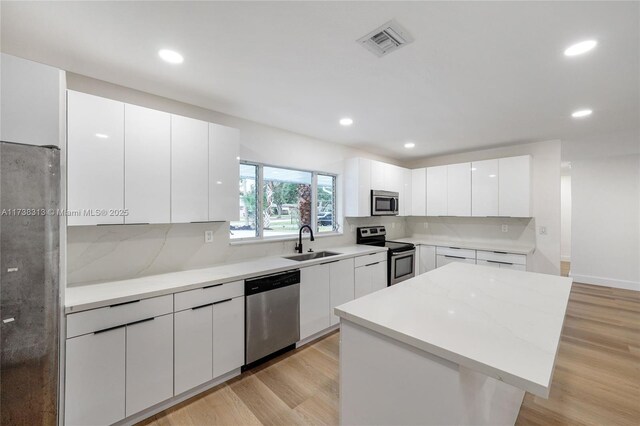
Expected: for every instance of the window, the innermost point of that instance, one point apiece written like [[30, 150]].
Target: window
[[326, 206], [247, 226], [275, 202]]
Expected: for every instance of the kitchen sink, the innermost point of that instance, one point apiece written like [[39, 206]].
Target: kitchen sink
[[311, 256]]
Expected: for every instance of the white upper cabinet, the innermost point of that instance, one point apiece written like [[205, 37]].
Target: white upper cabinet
[[357, 184], [95, 158], [147, 165], [437, 191], [224, 173], [32, 102], [189, 170], [484, 188], [515, 186], [406, 199], [418, 192], [459, 189], [378, 176]]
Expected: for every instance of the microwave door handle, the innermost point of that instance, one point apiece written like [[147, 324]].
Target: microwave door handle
[[393, 204]]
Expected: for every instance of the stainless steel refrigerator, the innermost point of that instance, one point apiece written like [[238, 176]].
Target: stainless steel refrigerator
[[30, 308]]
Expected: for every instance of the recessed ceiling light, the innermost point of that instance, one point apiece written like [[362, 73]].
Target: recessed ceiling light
[[409, 145], [170, 56], [492, 176], [346, 121], [101, 136], [581, 113], [580, 48], [473, 169]]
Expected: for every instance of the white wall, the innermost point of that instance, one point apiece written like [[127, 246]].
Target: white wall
[[605, 235], [546, 194], [120, 252], [565, 218]]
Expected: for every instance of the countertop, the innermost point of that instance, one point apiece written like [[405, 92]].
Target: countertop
[[502, 323], [81, 298], [489, 245]]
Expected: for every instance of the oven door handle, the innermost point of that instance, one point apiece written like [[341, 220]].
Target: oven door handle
[[404, 253]]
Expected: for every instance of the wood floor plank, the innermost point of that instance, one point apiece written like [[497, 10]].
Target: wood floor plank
[[596, 381]]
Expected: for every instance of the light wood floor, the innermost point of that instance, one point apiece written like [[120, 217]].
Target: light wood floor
[[596, 380]]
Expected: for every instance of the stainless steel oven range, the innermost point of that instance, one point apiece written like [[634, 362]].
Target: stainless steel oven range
[[400, 256]]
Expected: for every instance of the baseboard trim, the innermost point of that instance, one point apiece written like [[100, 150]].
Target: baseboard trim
[[317, 335], [606, 282]]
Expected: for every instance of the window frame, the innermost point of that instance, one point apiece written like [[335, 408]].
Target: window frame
[[260, 237]]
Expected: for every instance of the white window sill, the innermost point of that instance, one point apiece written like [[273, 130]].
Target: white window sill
[[305, 237]]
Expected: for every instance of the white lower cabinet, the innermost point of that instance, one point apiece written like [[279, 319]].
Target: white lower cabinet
[[95, 378], [426, 259], [342, 287], [315, 299], [149, 355], [228, 335], [193, 330], [369, 278], [209, 342]]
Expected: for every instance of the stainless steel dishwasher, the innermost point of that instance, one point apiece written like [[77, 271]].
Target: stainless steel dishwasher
[[272, 315]]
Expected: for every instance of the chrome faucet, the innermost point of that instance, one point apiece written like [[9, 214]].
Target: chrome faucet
[[299, 245]]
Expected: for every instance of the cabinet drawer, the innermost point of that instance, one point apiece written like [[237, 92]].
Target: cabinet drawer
[[454, 251], [118, 314], [502, 257], [369, 259], [442, 260], [208, 294], [514, 266]]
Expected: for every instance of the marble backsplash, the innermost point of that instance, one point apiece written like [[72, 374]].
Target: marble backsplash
[[108, 253], [520, 230]]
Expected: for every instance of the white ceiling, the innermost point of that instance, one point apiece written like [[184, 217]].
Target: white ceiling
[[479, 74]]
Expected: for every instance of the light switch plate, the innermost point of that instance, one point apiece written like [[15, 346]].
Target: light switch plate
[[208, 236]]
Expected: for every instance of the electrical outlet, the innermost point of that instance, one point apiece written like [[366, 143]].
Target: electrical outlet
[[505, 228], [208, 236], [543, 230], [353, 228], [393, 225]]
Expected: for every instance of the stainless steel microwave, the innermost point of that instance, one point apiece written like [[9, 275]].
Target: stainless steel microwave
[[384, 203]]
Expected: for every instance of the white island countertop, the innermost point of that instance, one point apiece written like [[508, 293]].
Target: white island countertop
[[91, 296], [502, 323]]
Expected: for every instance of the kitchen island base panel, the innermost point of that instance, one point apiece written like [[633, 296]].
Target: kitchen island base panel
[[413, 387]]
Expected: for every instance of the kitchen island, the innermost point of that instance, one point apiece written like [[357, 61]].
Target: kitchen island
[[458, 345]]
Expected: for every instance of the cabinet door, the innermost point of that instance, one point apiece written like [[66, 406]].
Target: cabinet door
[[95, 162], [515, 186], [459, 189], [342, 285], [378, 276], [362, 285], [437, 191], [147, 183], [95, 378], [484, 188], [405, 192], [228, 335], [149, 363], [224, 173], [193, 347], [378, 176], [189, 170], [426, 259], [419, 192], [393, 177], [357, 187], [315, 303]]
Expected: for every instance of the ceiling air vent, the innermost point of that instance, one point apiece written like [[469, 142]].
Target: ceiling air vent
[[386, 38]]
